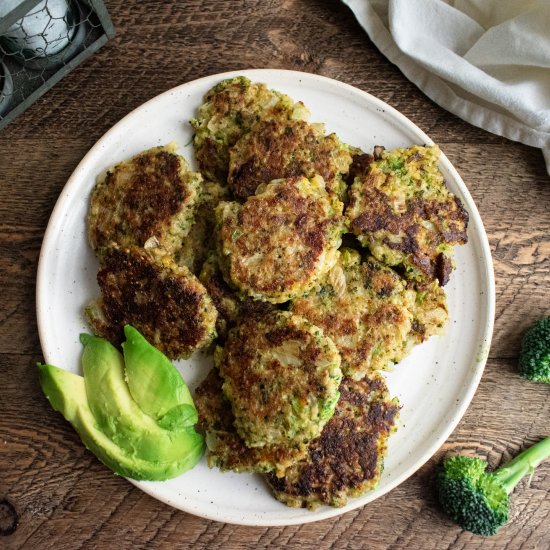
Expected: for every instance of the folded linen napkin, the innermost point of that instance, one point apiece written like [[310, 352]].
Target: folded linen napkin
[[486, 61]]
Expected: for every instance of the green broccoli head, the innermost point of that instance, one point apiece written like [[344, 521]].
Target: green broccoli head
[[472, 498], [477, 500], [534, 357]]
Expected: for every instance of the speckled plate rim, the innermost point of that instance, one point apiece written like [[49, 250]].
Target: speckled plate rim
[[487, 303]]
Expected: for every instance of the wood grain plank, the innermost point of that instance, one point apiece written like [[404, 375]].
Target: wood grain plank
[[63, 496], [56, 483]]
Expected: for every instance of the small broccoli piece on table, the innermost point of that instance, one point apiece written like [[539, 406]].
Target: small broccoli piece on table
[[478, 501], [534, 357]]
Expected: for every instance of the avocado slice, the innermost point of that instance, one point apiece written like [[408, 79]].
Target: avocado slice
[[154, 382], [121, 419], [67, 394]]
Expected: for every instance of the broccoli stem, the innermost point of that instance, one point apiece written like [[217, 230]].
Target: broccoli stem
[[526, 462]]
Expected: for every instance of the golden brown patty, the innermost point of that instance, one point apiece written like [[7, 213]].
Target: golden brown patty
[[281, 375], [226, 449], [365, 309], [230, 109], [164, 301], [231, 307], [278, 148], [403, 212], [275, 245], [372, 315], [152, 196], [200, 240], [347, 459]]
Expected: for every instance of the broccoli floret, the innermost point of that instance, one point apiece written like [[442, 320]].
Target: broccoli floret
[[534, 357], [477, 500]]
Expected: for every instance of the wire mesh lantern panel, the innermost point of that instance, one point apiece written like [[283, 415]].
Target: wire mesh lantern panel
[[40, 42]]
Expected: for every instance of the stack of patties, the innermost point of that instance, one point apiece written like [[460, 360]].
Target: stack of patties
[[141, 212], [295, 310], [249, 255], [279, 378]]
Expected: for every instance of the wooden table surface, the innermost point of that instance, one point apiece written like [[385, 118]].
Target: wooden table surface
[[62, 496]]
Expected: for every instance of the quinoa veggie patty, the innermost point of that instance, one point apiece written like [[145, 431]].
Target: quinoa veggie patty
[[281, 376], [401, 209], [226, 449], [280, 148], [372, 315], [366, 311], [162, 300], [347, 459], [275, 245], [230, 110], [152, 196]]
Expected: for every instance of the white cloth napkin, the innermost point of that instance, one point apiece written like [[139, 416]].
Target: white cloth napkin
[[486, 61]]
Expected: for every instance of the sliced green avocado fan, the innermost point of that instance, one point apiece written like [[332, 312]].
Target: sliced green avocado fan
[[134, 412]]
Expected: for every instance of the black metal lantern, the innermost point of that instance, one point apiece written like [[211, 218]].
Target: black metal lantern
[[40, 42]]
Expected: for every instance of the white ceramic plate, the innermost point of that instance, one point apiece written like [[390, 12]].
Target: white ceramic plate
[[434, 384]]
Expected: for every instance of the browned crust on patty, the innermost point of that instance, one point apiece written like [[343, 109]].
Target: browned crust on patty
[[347, 459], [364, 309], [233, 107], [275, 245], [143, 198], [378, 215], [276, 149], [360, 166], [165, 302], [400, 203], [281, 376], [226, 449]]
